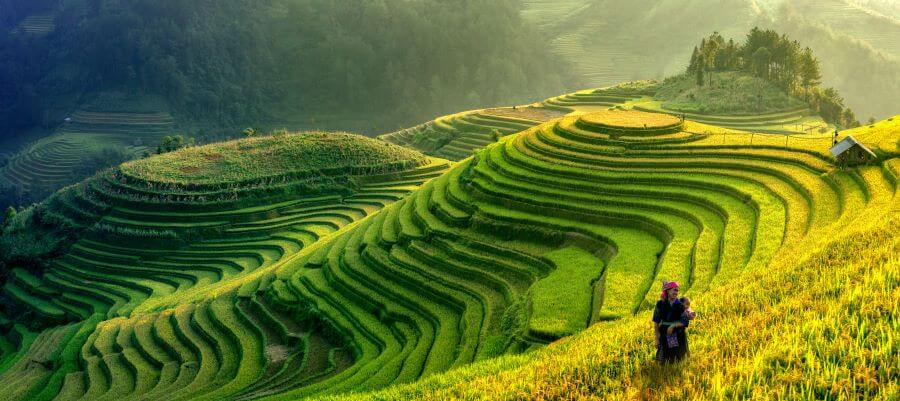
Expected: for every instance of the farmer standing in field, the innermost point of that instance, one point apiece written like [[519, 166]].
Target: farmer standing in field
[[670, 318]]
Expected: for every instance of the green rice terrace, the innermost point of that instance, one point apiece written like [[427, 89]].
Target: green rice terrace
[[53, 162], [315, 265], [187, 228], [457, 136]]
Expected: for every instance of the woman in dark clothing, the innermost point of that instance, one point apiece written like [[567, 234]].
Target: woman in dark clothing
[[669, 322]]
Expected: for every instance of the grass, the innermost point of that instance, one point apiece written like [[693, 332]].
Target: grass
[[883, 137], [270, 157], [456, 136], [778, 344], [91, 141], [139, 256], [561, 302], [630, 120], [724, 93]]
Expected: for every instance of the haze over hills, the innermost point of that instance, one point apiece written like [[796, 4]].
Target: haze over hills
[[610, 41]]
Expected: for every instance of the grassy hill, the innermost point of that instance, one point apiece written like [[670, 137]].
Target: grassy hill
[[724, 93], [319, 264], [155, 265], [457, 136], [882, 136]]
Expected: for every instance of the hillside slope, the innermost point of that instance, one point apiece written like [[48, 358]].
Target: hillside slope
[[90, 141], [767, 332], [143, 279], [674, 203], [750, 229], [321, 264]]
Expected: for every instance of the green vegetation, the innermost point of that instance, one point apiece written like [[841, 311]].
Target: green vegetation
[[315, 265], [608, 41], [89, 142], [777, 59], [562, 302], [457, 136], [664, 204], [776, 328], [161, 272], [881, 136], [248, 161], [724, 93], [740, 222], [603, 98]]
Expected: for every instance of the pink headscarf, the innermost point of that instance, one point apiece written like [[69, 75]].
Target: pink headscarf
[[667, 285]]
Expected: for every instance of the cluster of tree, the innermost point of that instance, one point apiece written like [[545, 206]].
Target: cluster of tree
[[778, 59], [171, 143], [229, 62]]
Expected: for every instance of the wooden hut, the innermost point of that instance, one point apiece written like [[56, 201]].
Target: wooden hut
[[849, 152]]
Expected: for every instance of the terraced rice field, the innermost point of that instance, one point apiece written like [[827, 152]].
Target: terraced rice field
[[376, 278], [548, 12], [881, 136], [51, 163], [594, 99], [633, 205], [639, 205], [798, 120], [457, 136], [161, 295], [37, 25], [583, 38]]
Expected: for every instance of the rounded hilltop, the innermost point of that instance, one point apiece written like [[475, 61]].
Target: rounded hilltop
[[252, 159], [261, 199], [631, 119]]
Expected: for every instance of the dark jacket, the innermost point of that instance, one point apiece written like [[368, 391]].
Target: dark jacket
[[665, 314]]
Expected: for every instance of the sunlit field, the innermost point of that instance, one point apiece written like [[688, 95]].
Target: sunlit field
[[187, 216]]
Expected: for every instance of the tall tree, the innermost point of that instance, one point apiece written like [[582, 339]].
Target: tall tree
[[695, 60], [700, 72], [762, 58], [810, 72]]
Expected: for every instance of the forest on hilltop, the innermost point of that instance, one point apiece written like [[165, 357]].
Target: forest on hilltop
[[778, 59]]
